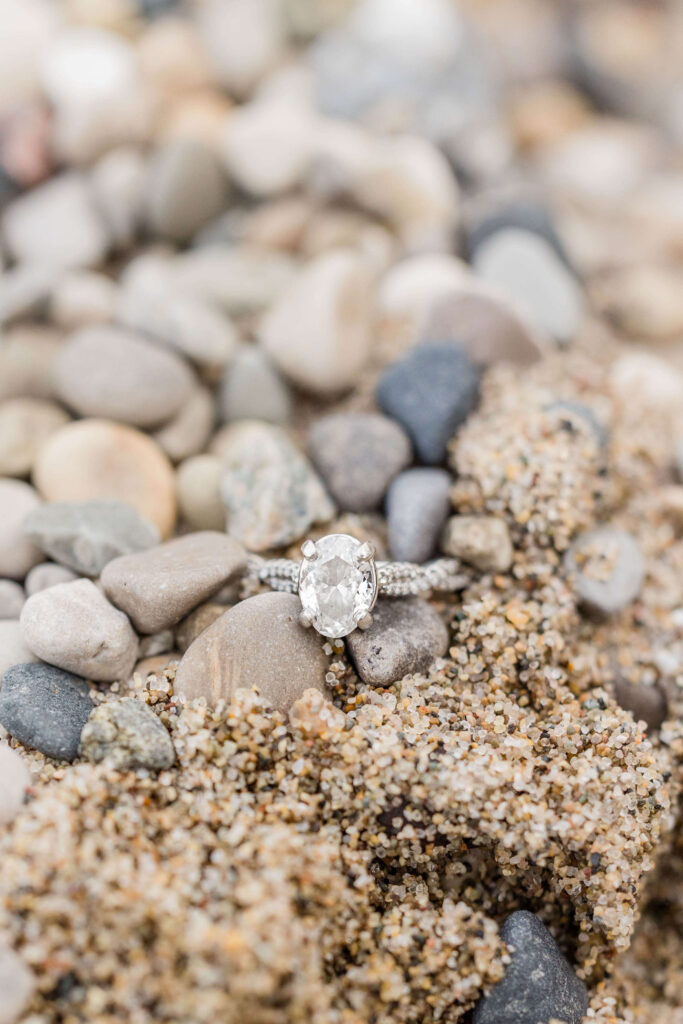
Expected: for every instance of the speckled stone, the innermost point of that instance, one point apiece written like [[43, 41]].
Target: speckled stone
[[539, 985], [17, 553], [253, 389], [74, 627], [271, 493], [12, 599], [430, 392], [15, 779], [618, 580], [258, 643], [129, 735], [481, 541], [405, 637], [417, 508], [45, 709], [16, 984], [111, 372], [47, 574], [85, 535], [646, 703], [358, 455], [186, 188], [157, 588], [13, 649]]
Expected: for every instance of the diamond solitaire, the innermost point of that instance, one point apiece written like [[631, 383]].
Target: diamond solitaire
[[337, 584]]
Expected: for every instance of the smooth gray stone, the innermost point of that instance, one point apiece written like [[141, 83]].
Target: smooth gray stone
[[87, 535], [45, 709], [405, 637], [524, 214], [129, 735], [358, 455], [430, 392], [539, 985], [252, 389], [622, 586], [417, 508], [187, 187]]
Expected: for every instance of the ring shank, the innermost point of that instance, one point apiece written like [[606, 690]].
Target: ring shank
[[394, 579]]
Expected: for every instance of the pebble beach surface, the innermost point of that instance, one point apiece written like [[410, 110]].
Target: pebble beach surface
[[404, 270]]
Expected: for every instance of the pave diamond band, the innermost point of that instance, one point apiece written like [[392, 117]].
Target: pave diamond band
[[339, 581]]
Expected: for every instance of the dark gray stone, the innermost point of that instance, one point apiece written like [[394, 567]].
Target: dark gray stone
[[405, 637], [524, 214], [417, 508], [129, 735], [45, 709], [609, 588], [539, 985], [646, 703], [358, 455], [87, 535], [430, 392]]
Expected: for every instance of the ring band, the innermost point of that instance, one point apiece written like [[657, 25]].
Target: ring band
[[339, 581]]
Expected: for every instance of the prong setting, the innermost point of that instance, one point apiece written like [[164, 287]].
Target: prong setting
[[305, 619], [365, 621], [365, 553], [309, 550]]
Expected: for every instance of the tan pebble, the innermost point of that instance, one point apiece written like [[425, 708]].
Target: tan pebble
[[482, 541], [156, 663], [190, 429], [17, 553], [257, 643], [27, 356], [172, 58], [198, 482], [25, 425], [158, 587], [267, 145], [196, 622], [81, 298], [73, 626], [101, 459]]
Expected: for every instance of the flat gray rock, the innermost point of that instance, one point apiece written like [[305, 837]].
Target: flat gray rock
[[417, 508], [430, 392], [406, 635], [45, 709], [607, 569], [186, 188], [253, 389], [129, 735], [47, 574], [86, 535], [539, 985], [358, 455], [257, 643], [159, 587]]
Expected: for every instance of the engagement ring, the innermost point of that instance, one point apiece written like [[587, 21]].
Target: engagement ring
[[339, 581]]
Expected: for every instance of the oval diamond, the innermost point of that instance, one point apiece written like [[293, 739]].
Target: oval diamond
[[336, 586]]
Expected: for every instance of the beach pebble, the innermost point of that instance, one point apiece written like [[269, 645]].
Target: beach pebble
[[85, 535], [13, 649], [417, 508], [186, 188], [405, 636], [430, 392], [413, 287], [527, 268], [198, 489], [481, 541], [27, 357], [45, 575], [12, 599], [358, 455], [25, 290], [538, 985], [196, 622], [56, 224], [157, 588], [190, 429], [523, 214], [129, 735], [17, 985], [606, 568], [189, 325], [74, 627], [111, 372], [647, 703], [81, 298], [267, 145], [45, 709], [99, 459], [271, 492], [252, 389], [118, 182], [25, 425], [238, 280], [318, 332], [258, 643], [244, 40], [487, 323], [17, 553], [14, 781]]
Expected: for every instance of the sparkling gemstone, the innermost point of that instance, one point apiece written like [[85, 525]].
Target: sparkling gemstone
[[335, 592]]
